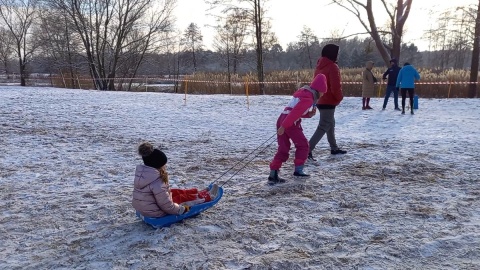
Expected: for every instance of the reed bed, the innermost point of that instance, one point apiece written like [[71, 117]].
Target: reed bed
[[433, 83]]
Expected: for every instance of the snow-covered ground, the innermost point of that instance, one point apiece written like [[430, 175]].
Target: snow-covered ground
[[406, 196]]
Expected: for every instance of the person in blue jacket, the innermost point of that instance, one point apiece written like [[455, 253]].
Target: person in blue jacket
[[406, 82], [392, 74]]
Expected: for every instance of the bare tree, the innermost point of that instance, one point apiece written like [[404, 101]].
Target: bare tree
[[170, 52], [19, 16], [269, 39], [307, 43], [255, 9], [229, 41], [397, 15], [193, 42], [112, 31], [57, 41], [472, 92], [7, 45], [461, 45], [454, 36], [440, 36], [450, 38]]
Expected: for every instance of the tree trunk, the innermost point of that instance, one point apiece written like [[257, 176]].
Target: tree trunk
[[177, 73], [397, 21], [5, 64], [310, 58], [472, 89], [22, 71], [111, 82], [229, 73], [375, 35], [194, 60], [258, 34]]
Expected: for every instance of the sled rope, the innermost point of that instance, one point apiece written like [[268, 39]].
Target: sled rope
[[243, 159]]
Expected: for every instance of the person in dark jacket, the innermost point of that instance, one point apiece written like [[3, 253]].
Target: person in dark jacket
[[326, 105], [392, 74]]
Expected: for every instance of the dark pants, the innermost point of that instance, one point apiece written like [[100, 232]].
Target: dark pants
[[326, 124], [404, 96], [390, 89]]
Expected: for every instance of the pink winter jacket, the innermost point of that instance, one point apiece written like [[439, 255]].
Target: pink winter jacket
[[151, 196], [298, 107]]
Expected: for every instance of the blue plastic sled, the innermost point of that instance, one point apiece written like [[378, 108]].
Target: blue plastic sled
[[171, 219]]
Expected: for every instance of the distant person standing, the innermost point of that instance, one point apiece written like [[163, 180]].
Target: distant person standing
[[406, 82], [368, 85], [327, 65], [392, 74]]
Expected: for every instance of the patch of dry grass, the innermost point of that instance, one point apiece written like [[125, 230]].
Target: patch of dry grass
[[433, 84]]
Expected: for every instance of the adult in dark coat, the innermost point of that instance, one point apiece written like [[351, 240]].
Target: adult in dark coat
[[392, 74]]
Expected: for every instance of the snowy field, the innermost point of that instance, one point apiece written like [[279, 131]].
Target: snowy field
[[406, 196]]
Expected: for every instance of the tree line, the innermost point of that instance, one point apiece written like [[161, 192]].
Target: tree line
[[110, 39]]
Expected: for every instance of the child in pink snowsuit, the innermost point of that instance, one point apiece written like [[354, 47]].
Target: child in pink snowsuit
[[290, 128]]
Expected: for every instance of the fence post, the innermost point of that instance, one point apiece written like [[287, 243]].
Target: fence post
[[63, 80], [449, 88], [186, 87], [298, 81], [246, 92]]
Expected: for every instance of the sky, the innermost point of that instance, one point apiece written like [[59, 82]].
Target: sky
[[288, 18], [405, 196]]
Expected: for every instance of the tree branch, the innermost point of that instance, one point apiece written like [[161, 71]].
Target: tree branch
[[355, 11], [388, 11]]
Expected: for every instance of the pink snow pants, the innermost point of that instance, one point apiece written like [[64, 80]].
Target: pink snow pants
[[294, 133]]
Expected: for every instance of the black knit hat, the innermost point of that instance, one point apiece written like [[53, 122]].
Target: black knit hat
[[330, 51], [152, 157]]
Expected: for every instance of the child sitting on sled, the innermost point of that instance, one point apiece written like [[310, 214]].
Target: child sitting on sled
[[289, 128], [152, 196]]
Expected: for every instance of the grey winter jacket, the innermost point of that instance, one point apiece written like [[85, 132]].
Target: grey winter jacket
[[152, 197]]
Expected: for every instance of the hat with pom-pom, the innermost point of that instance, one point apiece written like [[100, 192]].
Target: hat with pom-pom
[[152, 157], [319, 83]]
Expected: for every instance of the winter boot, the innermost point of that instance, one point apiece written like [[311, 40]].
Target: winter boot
[[310, 156], [204, 194], [299, 171], [274, 179], [337, 152]]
